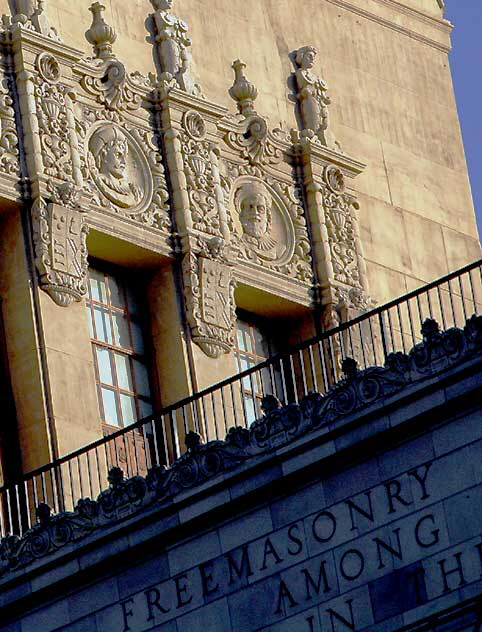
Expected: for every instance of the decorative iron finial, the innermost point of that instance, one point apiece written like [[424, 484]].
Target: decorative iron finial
[[243, 91], [100, 34]]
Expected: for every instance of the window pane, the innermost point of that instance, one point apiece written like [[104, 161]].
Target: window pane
[[261, 343], [89, 318], [116, 293], [133, 300], [124, 377], [102, 324], [250, 409], [137, 337], [248, 345], [142, 379], [121, 330], [98, 290], [129, 414], [111, 415], [145, 408], [241, 343], [104, 366]]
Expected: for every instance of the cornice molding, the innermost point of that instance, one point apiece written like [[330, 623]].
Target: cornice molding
[[442, 25]]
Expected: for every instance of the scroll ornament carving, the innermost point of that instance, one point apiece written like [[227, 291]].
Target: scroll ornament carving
[[253, 142], [111, 85], [279, 425], [60, 240], [313, 99], [9, 154], [173, 48], [340, 224], [48, 67], [51, 102], [108, 80], [209, 294]]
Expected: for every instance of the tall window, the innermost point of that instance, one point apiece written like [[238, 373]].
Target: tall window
[[253, 345], [114, 309]]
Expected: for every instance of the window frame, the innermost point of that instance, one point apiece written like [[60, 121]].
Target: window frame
[[123, 279]]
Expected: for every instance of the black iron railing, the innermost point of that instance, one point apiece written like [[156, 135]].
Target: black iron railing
[[237, 401]]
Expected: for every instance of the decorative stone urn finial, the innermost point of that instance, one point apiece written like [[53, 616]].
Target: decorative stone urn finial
[[100, 34], [243, 91]]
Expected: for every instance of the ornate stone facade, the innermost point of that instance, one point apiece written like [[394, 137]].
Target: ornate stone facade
[[121, 140]]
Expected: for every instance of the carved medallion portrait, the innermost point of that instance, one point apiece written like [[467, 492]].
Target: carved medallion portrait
[[119, 168], [262, 223]]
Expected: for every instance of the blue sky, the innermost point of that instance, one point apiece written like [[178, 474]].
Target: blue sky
[[466, 64]]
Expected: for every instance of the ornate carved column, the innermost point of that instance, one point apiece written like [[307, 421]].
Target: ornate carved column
[[43, 71], [332, 212], [332, 208], [189, 129]]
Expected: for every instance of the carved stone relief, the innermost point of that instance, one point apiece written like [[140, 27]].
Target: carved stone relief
[[31, 15], [52, 103], [117, 167], [123, 169], [266, 207], [201, 174], [120, 156], [209, 285], [253, 142], [341, 230], [313, 98], [9, 155], [60, 239], [173, 44]]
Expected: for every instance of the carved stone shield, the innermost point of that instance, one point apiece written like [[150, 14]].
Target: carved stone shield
[[215, 284]]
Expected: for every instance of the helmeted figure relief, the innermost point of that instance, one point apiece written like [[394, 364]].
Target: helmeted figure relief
[[109, 151], [256, 219], [313, 97], [173, 47]]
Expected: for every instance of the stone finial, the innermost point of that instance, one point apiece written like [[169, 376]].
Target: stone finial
[[100, 34], [243, 91]]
